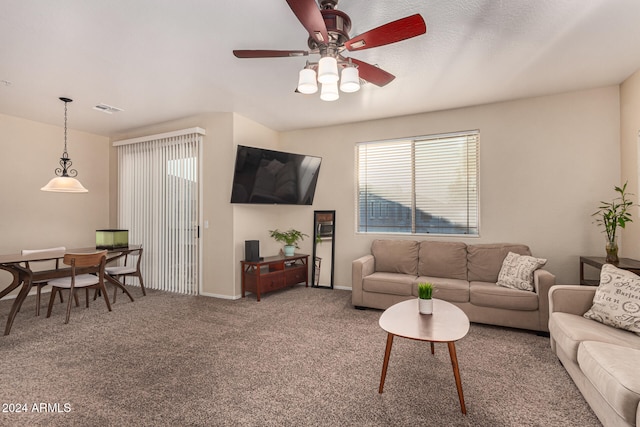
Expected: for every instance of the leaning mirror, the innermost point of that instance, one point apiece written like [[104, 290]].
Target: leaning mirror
[[324, 227]]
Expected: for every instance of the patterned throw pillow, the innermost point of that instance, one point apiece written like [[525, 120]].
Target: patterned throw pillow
[[517, 271], [617, 299]]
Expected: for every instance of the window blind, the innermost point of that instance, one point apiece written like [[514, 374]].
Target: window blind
[[158, 202], [419, 185]]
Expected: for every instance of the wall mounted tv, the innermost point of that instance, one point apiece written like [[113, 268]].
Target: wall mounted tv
[[274, 177]]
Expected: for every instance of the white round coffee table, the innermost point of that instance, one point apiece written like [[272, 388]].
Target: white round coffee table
[[447, 324]]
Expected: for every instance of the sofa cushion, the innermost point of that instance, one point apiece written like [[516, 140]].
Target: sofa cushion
[[396, 256], [569, 330], [617, 299], [491, 295], [388, 283], [517, 271], [613, 371], [452, 290], [484, 261], [443, 259]]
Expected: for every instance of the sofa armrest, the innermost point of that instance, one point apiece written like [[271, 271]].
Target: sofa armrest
[[574, 299], [542, 283], [360, 268]]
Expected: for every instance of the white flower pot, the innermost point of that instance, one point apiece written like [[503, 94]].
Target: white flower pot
[[289, 250], [425, 306]]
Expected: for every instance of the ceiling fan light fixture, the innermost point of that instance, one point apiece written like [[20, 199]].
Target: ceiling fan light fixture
[[350, 80], [328, 70], [329, 91], [307, 83]]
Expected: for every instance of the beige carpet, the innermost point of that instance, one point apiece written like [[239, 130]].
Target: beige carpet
[[301, 356]]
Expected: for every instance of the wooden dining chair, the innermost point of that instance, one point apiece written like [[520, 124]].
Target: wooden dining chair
[[92, 265], [131, 268], [41, 283]]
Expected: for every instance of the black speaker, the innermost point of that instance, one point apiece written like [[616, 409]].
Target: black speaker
[[252, 250]]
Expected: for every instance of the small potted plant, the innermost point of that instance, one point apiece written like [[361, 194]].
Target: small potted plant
[[612, 215], [425, 303], [290, 238]]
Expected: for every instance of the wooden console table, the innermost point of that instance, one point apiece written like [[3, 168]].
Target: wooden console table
[[598, 261], [273, 273]]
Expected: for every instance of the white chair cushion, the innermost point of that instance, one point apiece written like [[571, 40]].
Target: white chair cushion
[[81, 281], [114, 271]]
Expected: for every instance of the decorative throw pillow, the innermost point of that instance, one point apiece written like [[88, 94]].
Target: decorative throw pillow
[[517, 271], [617, 299]]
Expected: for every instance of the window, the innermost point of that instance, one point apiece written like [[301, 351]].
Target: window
[[424, 185]]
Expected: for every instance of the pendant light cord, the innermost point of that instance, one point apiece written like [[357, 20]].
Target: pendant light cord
[[64, 153]]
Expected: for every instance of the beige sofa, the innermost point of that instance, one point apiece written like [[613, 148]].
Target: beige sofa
[[462, 274], [603, 361]]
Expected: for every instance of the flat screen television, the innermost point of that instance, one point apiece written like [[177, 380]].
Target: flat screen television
[[264, 176]]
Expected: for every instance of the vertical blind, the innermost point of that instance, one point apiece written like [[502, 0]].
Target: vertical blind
[[158, 202], [420, 185]]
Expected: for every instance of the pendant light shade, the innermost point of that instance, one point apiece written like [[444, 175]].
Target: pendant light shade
[[65, 181], [307, 83], [350, 80], [328, 70], [64, 184], [329, 91]]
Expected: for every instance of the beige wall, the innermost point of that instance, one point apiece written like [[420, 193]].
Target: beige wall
[[544, 164], [30, 218], [629, 140]]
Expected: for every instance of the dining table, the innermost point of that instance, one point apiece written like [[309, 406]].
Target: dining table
[[18, 266]]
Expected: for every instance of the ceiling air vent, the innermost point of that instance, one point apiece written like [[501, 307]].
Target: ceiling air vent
[[107, 108]]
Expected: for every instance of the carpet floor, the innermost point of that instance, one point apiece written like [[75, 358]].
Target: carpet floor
[[300, 357]]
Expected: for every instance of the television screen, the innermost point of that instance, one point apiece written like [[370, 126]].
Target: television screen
[[274, 177]]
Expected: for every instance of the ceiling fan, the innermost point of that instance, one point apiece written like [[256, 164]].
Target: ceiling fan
[[329, 37]]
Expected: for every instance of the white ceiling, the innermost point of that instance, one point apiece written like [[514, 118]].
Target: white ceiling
[[160, 60]]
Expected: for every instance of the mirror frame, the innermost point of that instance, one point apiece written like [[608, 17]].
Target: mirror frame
[[316, 237]]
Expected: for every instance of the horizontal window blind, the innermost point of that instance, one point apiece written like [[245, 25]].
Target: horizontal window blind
[[420, 185]]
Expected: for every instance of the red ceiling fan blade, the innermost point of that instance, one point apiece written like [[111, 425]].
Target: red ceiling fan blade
[[392, 32], [310, 17], [268, 53], [373, 74]]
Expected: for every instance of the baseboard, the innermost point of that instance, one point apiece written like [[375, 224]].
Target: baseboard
[[229, 297], [237, 297]]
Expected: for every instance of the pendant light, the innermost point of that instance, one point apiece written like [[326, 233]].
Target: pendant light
[[65, 181]]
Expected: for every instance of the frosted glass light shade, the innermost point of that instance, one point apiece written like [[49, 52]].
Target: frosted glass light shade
[[307, 83], [64, 184], [350, 80], [329, 91], [328, 70]]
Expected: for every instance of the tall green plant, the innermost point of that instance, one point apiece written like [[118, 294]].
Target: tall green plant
[[425, 290], [615, 213]]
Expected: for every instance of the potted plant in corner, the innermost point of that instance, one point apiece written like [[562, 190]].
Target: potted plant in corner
[[290, 238], [425, 303], [612, 215]]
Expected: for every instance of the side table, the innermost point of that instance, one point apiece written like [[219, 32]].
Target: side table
[[629, 264]]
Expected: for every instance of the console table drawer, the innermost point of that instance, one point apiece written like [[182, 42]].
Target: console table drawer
[[296, 275], [272, 281]]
